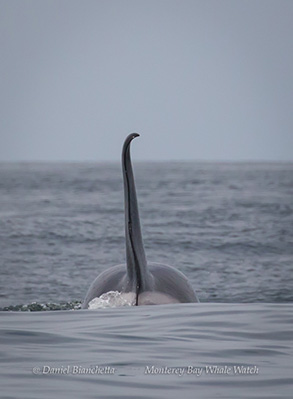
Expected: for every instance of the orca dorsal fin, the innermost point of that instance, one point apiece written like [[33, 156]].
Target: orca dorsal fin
[[135, 254]]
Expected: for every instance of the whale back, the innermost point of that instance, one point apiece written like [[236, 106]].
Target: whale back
[[149, 283]]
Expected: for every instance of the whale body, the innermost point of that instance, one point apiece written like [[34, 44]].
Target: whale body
[[147, 283]]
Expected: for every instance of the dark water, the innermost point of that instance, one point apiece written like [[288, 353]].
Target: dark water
[[228, 227]]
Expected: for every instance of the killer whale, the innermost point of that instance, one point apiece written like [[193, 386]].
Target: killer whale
[[148, 283]]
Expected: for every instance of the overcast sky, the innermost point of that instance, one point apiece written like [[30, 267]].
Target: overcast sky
[[198, 79]]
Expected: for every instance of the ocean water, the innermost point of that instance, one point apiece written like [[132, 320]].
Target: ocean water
[[227, 226]]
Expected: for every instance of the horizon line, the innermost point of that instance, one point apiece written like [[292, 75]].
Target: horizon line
[[12, 161]]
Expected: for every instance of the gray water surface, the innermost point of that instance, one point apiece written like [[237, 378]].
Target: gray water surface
[[228, 227], [135, 343]]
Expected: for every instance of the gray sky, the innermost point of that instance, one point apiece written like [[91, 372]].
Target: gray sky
[[200, 79]]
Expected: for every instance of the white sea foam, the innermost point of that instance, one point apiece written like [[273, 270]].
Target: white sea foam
[[112, 299]]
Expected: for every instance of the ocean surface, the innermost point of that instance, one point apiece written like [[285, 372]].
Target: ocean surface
[[227, 226]]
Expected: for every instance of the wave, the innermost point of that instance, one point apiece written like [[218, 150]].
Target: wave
[[42, 307]]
